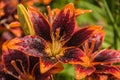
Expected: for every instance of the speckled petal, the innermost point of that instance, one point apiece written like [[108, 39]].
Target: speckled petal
[[106, 69], [81, 72], [50, 65], [40, 23], [82, 35], [73, 56], [108, 56], [32, 45], [64, 24]]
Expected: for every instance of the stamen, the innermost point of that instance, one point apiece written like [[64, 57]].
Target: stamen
[[32, 72], [56, 47], [96, 63], [16, 68], [24, 72], [22, 76], [56, 44], [10, 73], [86, 47], [92, 46], [50, 14], [46, 16], [57, 33]]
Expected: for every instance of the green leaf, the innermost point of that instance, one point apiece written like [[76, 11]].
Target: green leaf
[[25, 21], [67, 73]]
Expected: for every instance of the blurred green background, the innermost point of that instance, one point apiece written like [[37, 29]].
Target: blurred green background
[[105, 13]]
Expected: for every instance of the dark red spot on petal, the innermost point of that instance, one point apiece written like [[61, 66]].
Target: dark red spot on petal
[[40, 24], [82, 35], [72, 55], [110, 56], [65, 21]]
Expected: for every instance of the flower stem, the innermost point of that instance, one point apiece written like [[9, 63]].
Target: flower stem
[[115, 27]]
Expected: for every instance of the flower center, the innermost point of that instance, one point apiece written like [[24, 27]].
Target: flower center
[[87, 62], [56, 48]]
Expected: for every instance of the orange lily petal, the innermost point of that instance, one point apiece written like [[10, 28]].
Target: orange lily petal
[[81, 72], [40, 23], [57, 68], [80, 11], [64, 24], [31, 45], [82, 35], [14, 24], [45, 2], [106, 69], [50, 65], [15, 28], [72, 56], [69, 6], [107, 56]]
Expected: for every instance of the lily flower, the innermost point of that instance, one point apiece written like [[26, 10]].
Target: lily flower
[[99, 62], [54, 38], [17, 65]]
